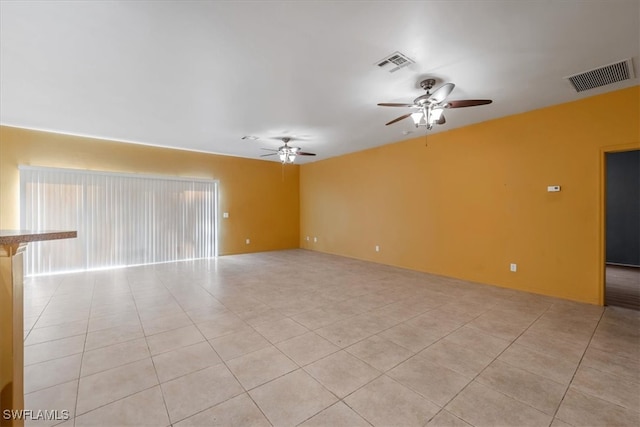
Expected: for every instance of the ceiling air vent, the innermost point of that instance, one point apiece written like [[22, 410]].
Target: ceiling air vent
[[394, 62], [602, 76]]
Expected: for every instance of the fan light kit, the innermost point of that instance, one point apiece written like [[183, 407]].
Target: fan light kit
[[430, 105], [286, 153]]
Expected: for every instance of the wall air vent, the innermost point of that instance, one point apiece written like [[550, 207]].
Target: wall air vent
[[602, 76], [394, 62]]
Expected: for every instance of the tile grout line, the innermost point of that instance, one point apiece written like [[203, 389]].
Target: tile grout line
[[265, 297], [125, 364], [331, 406], [223, 362], [153, 363], [75, 410], [494, 359], [579, 363], [435, 342], [285, 355], [384, 373], [43, 309]]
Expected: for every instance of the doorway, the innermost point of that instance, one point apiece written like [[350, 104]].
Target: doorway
[[622, 227]]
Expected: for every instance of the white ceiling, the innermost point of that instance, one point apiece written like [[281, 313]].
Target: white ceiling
[[201, 74]]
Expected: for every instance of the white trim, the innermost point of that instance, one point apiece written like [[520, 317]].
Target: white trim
[[122, 141], [122, 174]]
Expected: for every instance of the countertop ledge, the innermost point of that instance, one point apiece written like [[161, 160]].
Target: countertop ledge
[[8, 237]]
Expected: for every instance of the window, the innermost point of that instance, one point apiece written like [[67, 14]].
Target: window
[[121, 219]]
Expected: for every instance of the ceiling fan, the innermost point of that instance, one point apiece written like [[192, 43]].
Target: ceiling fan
[[431, 105], [286, 153]]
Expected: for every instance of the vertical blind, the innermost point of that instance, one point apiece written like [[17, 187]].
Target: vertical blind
[[121, 219]]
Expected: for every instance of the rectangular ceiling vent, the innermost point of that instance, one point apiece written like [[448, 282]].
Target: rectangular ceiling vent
[[602, 76], [394, 62]]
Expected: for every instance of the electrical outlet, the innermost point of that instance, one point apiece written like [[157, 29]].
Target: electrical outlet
[[307, 239], [315, 239], [377, 248], [225, 215], [247, 241], [513, 267]]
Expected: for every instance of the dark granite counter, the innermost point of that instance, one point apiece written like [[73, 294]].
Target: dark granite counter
[[8, 237]]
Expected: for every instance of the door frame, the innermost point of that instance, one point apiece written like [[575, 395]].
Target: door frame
[[603, 214]]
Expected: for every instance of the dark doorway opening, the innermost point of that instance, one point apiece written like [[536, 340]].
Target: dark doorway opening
[[622, 279]]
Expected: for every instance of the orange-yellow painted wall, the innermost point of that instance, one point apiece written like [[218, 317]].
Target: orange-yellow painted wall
[[247, 188], [475, 199]]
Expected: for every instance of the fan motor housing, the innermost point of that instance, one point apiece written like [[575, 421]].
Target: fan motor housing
[[422, 100], [427, 84]]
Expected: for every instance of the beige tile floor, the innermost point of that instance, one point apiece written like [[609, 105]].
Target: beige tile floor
[[301, 338]]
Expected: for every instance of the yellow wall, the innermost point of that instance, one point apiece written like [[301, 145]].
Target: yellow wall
[[467, 205], [475, 199], [261, 198]]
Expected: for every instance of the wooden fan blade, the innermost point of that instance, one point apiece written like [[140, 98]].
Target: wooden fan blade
[[265, 155], [467, 103], [404, 116], [441, 93], [393, 104], [304, 153]]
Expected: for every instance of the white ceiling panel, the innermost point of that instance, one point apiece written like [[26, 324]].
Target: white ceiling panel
[[200, 75]]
